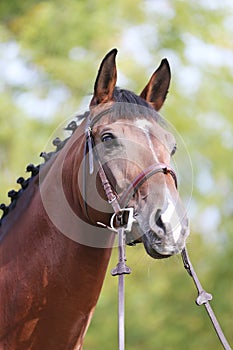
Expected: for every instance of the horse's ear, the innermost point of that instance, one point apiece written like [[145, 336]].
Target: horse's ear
[[106, 80], [156, 90]]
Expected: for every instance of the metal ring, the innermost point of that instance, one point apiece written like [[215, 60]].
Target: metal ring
[[128, 225]]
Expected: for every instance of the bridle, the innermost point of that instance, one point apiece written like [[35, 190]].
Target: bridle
[[118, 202], [117, 224]]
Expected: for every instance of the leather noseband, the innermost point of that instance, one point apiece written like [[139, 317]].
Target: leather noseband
[[143, 176]]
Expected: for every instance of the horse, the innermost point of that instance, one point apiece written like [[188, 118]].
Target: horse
[[55, 242]]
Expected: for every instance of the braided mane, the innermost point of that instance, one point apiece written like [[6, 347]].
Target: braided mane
[[34, 169]]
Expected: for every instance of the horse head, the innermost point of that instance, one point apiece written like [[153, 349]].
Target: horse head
[[135, 148]]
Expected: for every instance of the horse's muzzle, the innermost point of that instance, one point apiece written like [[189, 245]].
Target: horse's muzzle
[[168, 231]]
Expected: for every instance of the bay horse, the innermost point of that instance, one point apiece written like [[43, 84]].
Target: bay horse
[[54, 239]]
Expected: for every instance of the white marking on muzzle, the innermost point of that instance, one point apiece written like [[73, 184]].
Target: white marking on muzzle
[[171, 219]]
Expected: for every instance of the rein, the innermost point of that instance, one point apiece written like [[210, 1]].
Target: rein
[[204, 298], [119, 208]]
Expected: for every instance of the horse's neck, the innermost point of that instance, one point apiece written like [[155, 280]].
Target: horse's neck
[[50, 283]]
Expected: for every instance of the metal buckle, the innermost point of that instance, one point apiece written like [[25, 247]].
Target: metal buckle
[[129, 223]]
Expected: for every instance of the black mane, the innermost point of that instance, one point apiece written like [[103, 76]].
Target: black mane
[[126, 96], [130, 106]]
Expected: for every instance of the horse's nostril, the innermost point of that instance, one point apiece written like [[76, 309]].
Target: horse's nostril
[[157, 215], [160, 223], [156, 223]]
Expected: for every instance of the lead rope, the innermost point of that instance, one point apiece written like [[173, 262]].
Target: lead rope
[[204, 298]]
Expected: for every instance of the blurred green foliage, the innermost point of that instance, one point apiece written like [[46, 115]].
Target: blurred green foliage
[[61, 44]]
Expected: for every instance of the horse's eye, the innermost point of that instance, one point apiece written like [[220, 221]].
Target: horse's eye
[[107, 137], [174, 150]]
